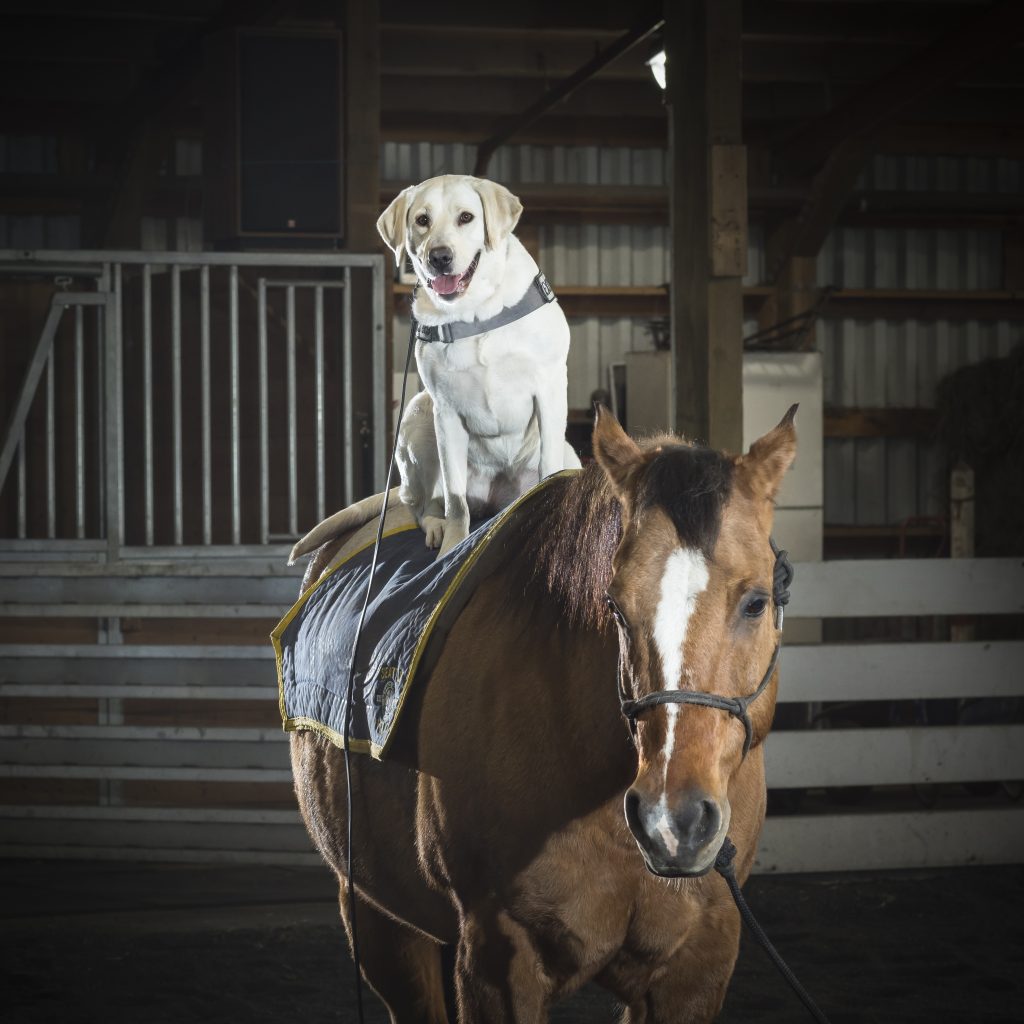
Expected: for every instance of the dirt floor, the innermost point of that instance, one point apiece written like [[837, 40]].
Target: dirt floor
[[112, 943]]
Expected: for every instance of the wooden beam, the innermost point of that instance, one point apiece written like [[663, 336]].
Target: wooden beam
[[702, 41], [508, 97], [851, 63], [362, 124], [847, 423], [562, 91], [420, 51], [982, 37], [923, 304], [847, 21]]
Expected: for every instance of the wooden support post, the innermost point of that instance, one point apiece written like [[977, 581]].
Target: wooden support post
[[796, 291], [708, 202], [361, 27], [362, 119]]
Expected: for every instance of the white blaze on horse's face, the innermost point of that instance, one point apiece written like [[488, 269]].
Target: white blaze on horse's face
[[684, 579]]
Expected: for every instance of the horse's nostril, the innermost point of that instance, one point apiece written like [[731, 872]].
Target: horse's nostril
[[698, 822], [631, 806]]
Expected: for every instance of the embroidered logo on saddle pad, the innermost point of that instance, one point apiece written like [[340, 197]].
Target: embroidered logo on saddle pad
[[415, 601]]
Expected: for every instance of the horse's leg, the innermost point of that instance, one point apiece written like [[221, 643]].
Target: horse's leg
[[401, 965], [497, 977], [691, 989]]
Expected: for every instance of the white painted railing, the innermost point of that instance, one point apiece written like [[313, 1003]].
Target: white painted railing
[[128, 684], [911, 756]]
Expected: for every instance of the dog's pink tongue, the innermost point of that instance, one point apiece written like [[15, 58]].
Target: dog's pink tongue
[[445, 284]]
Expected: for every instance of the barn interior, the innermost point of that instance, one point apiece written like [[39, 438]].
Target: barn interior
[[201, 343]]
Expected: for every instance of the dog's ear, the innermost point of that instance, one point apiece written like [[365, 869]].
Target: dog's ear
[[501, 211], [391, 223]]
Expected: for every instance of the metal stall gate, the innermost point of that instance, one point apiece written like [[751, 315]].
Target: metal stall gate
[[182, 418], [188, 353]]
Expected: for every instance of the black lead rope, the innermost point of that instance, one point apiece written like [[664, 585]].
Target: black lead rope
[[350, 686], [723, 865]]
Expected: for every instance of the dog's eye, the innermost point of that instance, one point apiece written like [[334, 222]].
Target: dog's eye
[[465, 217], [423, 220]]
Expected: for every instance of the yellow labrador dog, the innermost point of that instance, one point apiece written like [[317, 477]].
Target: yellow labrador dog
[[491, 351]]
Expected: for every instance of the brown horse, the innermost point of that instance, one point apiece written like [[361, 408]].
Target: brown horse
[[497, 825]]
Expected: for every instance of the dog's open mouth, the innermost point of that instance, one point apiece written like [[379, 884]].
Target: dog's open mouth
[[451, 286]]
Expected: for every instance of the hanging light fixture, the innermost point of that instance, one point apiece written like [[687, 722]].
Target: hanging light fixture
[[656, 63]]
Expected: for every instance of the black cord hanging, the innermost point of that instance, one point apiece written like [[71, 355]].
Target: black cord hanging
[[350, 685]]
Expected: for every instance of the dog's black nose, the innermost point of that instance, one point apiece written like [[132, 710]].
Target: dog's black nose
[[441, 259]]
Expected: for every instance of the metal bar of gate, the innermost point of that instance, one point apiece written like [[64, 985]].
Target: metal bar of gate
[[112, 320], [22, 490], [16, 422], [79, 422], [179, 496], [236, 472], [261, 315], [51, 450], [381, 427], [318, 297], [24, 259], [147, 396], [204, 359], [113, 488], [293, 441], [347, 412]]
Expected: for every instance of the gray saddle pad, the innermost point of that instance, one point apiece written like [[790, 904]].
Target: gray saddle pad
[[415, 600]]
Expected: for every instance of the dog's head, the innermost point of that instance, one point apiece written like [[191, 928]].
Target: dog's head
[[447, 225]]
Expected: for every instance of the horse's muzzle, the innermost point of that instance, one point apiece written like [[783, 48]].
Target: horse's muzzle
[[677, 840]]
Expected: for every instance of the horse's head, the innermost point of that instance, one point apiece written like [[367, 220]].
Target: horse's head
[[692, 593]]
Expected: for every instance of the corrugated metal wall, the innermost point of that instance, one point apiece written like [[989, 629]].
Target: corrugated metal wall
[[869, 364], [898, 363]]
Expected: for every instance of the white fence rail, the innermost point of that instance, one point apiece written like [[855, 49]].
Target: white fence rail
[[909, 756], [153, 704]]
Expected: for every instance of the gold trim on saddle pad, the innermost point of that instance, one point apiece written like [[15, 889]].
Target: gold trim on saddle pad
[[344, 556]]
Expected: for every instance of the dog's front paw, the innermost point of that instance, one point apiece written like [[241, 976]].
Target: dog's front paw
[[433, 527], [454, 533]]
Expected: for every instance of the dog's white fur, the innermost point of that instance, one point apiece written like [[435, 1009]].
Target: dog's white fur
[[491, 422]]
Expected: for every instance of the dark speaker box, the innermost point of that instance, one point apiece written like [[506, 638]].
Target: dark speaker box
[[273, 137]]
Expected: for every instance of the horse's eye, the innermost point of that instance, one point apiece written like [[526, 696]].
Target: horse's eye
[[465, 217], [754, 607], [615, 610], [423, 220]]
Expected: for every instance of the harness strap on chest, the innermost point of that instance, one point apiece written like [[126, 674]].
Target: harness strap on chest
[[540, 293]]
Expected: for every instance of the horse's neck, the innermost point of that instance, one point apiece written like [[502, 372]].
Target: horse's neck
[[577, 669]]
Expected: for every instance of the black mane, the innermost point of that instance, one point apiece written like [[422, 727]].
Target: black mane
[[567, 535]]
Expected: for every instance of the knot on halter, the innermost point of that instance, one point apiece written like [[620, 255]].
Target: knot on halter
[[782, 578]]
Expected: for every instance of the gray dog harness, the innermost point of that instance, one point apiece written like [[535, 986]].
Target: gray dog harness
[[540, 293]]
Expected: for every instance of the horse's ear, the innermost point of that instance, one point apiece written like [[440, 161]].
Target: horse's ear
[[615, 451], [770, 456], [391, 223]]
